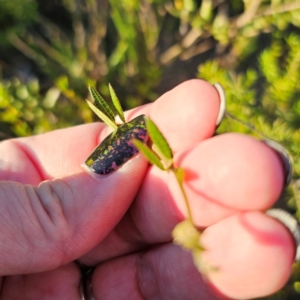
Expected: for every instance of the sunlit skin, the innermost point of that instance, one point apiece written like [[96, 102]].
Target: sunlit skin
[[122, 223]]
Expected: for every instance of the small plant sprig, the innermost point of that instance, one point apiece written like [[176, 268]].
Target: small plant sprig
[[103, 111], [160, 155], [116, 148], [134, 135]]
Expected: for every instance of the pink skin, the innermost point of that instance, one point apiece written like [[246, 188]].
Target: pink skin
[[115, 222]]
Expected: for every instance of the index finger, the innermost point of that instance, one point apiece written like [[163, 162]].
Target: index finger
[[186, 115]]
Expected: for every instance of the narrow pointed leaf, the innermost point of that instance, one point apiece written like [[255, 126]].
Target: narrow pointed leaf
[[148, 153], [100, 103], [116, 102], [102, 116], [168, 163], [159, 140]]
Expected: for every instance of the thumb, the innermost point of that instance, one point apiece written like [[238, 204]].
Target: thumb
[[54, 223]]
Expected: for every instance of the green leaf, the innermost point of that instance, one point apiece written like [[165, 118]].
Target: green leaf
[[167, 162], [100, 103], [116, 102], [162, 146], [101, 115], [149, 154]]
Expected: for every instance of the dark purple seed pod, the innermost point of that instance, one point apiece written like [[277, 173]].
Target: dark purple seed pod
[[117, 148]]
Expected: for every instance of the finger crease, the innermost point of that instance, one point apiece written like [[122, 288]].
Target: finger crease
[[33, 160]]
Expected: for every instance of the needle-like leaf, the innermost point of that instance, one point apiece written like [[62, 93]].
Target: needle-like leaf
[[102, 115], [116, 102], [159, 141], [148, 153], [100, 103]]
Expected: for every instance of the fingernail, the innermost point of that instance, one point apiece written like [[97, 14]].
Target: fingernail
[[117, 148], [290, 223], [286, 159], [222, 109]]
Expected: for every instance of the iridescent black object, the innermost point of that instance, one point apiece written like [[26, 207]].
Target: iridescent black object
[[117, 148]]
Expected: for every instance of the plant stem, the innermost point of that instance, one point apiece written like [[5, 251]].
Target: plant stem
[[249, 126], [189, 211]]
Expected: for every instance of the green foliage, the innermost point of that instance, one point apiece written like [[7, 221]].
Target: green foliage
[[264, 99], [116, 103], [145, 47], [151, 156], [26, 110], [20, 112], [101, 105], [160, 153], [15, 14], [102, 109], [162, 147], [102, 115], [185, 233]]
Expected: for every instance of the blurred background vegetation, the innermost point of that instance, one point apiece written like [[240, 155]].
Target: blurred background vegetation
[[51, 50]]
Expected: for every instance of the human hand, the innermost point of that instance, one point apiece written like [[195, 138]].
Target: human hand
[[54, 213]]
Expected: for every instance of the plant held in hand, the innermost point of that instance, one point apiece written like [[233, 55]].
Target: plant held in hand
[[117, 148], [160, 155], [123, 143]]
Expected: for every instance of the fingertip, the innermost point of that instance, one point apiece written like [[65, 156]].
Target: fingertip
[[189, 110], [233, 172], [253, 254]]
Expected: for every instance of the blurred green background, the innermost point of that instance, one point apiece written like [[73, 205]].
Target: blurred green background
[[51, 50]]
